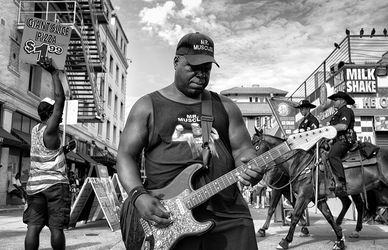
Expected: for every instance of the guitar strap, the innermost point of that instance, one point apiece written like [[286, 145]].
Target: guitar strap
[[206, 125]]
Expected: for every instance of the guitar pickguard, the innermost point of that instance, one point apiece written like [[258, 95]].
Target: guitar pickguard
[[183, 224]]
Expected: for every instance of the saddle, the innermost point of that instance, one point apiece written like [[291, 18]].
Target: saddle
[[361, 155]]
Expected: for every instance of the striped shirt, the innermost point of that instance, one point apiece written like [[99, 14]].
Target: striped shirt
[[48, 167]]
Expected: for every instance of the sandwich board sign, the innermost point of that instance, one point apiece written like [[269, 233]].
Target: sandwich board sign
[[43, 38], [101, 189], [121, 193]]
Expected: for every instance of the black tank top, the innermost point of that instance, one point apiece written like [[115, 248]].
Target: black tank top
[[176, 143]]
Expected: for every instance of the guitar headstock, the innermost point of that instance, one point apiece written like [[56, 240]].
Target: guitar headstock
[[308, 139]]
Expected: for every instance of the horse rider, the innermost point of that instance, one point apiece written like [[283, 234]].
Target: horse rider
[[309, 121], [343, 121]]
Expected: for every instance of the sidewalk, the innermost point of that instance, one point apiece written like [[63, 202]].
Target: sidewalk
[[10, 208], [97, 235]]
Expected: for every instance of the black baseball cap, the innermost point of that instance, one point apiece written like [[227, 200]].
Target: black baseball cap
[[197, 48]]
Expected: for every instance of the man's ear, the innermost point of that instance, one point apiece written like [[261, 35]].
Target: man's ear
[[176, 60]]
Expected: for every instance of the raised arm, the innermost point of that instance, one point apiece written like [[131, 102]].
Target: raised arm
[[51, 134]]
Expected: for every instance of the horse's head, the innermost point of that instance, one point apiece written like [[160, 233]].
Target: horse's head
[[258, 142], [263, 142]]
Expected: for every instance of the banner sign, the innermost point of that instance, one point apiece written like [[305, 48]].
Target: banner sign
[[284, 112], [43, 38], [357, 80], [375, 102]]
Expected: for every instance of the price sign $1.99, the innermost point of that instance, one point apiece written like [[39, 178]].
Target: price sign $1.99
[[42, 50]]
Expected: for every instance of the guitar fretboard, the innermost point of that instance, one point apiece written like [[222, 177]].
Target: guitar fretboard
[[204, 193]]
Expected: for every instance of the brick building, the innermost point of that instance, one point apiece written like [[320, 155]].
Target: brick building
[[95, 76]]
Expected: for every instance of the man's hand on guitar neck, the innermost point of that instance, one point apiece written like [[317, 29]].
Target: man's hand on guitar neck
[[250, 176], [152, 210]]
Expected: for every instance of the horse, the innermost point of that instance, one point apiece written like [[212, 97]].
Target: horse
[[278, 184], [301, 171]]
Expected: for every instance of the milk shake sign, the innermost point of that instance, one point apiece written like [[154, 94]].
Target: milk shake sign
[[360, 80], [42, 38]]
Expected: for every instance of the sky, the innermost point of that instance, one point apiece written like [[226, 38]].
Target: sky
[[272, 43]]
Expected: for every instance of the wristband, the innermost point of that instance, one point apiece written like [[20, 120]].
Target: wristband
[[136, 192]]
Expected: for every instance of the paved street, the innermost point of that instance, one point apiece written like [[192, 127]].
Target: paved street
[[97, 235]]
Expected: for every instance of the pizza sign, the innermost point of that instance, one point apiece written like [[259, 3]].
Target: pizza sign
[[43, 38]]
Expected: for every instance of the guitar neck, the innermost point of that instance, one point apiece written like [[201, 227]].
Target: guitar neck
[[202, 194]]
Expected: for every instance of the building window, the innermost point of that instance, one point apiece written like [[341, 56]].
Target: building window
[[35, 79], [111, 65], [123, 83], [14, 55], [121, 110], [102, 87], [250, 99], [114, 134], [116, 105], [256, 99], [23, 123], [99, 129], [109, 96], [108, 130], [117, 74]]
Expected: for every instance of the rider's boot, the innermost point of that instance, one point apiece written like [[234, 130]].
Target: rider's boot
[[338, 186]]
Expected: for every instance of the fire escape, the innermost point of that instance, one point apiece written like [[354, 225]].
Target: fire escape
[[85, 61]]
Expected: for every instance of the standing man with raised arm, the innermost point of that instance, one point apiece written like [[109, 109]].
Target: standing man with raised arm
[[48, 185], [166, 124]]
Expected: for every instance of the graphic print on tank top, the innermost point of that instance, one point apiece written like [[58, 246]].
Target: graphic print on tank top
[[189, 130]]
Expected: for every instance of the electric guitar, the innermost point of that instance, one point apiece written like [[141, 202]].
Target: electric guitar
[[179, 197]]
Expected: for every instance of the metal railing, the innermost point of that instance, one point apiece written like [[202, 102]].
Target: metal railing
[[65, 12], [352, 49]]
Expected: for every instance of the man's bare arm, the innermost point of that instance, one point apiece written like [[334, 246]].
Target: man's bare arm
[[51, 134], [240, 141], [133, 139]]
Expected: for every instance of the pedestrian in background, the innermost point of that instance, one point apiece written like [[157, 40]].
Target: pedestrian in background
[[48, 200], [15, 187]]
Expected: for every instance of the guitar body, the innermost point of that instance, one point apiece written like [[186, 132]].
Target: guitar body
[[173, 198], [179, 198]]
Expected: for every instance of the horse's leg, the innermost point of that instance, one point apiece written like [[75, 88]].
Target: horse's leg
[[346, 202], [302, 221], [360, 212], [324, 208], [300, 205], [276, 194]]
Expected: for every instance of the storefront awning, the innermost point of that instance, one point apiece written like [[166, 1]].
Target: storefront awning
[[22, 136], [106, 160], [87, 158], [8, 140], [104, 157], [71, 156]]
